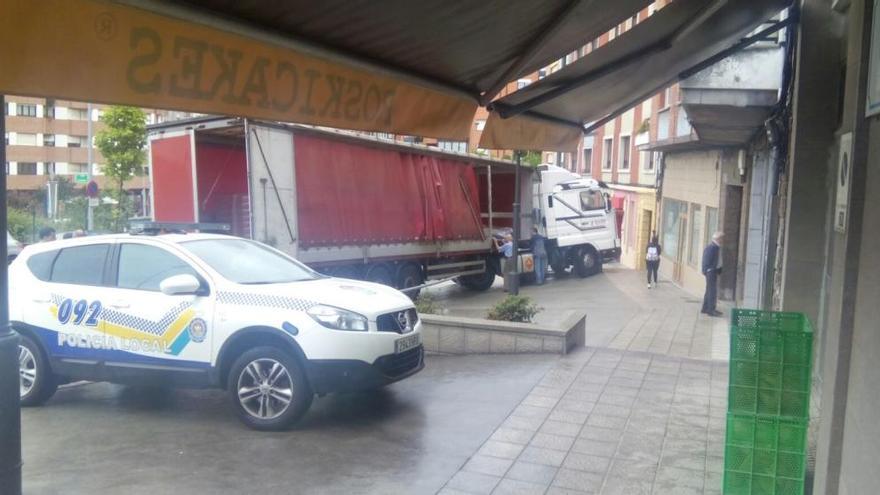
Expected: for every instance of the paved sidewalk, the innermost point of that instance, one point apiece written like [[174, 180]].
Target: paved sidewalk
[[610, 422], [641, 410]]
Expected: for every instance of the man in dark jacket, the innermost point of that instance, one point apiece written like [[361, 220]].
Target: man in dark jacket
[[711, 270]]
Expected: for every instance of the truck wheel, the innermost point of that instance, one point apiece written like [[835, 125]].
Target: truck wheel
[[380, 274], [269, 389], [478, 281], [588, 262], [410, 275], [37, 383]]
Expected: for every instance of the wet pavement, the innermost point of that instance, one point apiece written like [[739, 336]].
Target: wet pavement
[[639, 410], [410, 437]]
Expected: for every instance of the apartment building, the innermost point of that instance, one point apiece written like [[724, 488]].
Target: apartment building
[[610, 153], [710, 137], [51, 138]]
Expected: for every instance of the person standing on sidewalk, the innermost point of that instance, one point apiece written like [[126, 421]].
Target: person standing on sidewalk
[[539, 252], [711, 270], [652, 259]]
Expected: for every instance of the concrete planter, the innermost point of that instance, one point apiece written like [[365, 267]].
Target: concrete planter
[[458, 335]]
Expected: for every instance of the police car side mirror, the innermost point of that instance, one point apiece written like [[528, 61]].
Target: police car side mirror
[[180, 285]]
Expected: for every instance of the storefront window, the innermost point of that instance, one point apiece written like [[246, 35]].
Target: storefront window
[[711, 224], [696, 235], [672, 212]]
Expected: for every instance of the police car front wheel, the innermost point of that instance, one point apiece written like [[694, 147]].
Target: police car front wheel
[[36, 381], [269, 389]]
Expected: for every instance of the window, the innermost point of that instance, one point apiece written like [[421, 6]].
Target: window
[[696, 235], [247, 262], [27, 168], [77, 114], [459, 146], [624, 152], [672, 213], [25, 139], [50, 110], [48, 139], [649, 161], [145, 267], [77, 168], [26, 110], [50, 168], [82, 265], [41, 264], [592, 200], [542, 73], [480, 124], [523, 83], [606, 153], [76, 141], [588, 159], [711, 224]]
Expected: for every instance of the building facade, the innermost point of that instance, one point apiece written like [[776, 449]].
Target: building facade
[[48, 139]]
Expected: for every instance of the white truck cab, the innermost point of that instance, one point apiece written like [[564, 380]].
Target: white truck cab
[[576, 217], [205, 310]]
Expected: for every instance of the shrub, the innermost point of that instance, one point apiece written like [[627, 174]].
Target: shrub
[[514, 308], [425, 304]]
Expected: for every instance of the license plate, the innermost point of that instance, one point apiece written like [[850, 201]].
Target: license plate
[[407, 343]]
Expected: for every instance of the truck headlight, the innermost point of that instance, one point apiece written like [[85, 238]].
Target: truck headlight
[[338, 319]]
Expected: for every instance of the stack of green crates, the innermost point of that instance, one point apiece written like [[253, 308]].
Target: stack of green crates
[[768, 403]]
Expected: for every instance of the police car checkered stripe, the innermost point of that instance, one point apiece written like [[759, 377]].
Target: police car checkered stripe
[[264, 300], [143, 324]]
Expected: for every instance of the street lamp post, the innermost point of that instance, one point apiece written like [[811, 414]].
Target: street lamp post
[[513, 268], [10, 410]]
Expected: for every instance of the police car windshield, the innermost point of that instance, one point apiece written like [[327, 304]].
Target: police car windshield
[[247, 262]]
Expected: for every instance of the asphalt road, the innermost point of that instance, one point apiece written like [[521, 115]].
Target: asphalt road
[[410, 437]]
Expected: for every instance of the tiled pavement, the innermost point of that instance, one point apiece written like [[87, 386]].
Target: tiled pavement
[[640, 411], [611, 422]]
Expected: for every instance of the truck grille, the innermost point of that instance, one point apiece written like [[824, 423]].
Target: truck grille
[[400, 364], [398, 322]]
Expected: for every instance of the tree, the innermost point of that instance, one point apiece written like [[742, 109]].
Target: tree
[[123, 143]]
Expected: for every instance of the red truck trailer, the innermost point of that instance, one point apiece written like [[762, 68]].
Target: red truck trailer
[[347, 205]]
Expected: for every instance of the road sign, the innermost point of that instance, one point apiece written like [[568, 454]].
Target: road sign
[[81, 178], [93, 202], [91, 188]]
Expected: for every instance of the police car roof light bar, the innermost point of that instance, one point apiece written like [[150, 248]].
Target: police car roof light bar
[[145, 227]]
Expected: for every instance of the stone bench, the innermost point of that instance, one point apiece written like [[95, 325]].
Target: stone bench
[[459, 335]]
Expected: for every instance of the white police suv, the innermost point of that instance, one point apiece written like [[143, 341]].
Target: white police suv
[[205, 310]]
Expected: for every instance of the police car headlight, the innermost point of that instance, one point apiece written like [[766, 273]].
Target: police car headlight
[[338, 319]]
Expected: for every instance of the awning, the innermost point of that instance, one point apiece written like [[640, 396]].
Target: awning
[[401, 66], [667, 46]]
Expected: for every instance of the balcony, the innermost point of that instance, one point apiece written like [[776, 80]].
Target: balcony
[[725, 104]]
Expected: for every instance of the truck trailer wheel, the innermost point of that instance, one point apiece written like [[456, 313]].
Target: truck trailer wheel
[[380, 274], [479, 281], [410, 275], [588, 261]]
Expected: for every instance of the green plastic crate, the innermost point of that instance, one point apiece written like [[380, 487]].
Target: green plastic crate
[[770, 363], [764, 455]]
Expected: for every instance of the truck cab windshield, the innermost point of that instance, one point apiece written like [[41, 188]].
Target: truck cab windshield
[[247, 262]]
